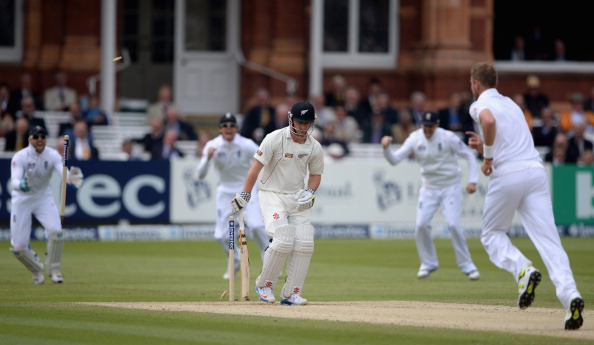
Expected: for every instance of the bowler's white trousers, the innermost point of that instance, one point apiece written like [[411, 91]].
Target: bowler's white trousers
[[450, 199], [524, 187]]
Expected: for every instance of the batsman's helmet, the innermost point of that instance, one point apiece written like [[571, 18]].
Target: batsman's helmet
[[302, 111]]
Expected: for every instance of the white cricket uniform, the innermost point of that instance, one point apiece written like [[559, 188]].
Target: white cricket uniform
[[519, 183], [286, 166], [441, 186], [39, 200], [231, 161]]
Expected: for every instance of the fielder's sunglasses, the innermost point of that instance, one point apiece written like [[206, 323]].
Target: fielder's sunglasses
[[228, 124], [38, 136]]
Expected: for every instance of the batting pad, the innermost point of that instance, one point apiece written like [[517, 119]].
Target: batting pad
[[55, 246], [299, 259], [29, 258], [276, 254]]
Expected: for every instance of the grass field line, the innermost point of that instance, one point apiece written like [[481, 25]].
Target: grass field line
[[535, 321]]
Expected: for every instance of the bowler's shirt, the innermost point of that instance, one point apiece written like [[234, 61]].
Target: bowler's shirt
[[513, 140], [286, 163]]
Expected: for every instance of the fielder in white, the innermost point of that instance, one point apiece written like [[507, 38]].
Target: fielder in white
[[232, 156], [518, 182], [285, 158], [437, 151], [30, 173]]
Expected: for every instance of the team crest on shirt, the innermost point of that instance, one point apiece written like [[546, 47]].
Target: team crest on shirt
[[439, 147], [275, 216], [288, 155], [45, 165], [421, 147]]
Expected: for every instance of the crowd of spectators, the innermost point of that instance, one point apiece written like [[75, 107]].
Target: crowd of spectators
[[345, 117]]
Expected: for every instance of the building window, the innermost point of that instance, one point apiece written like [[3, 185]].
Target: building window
[[358, 33], [11, 30], [206, 24]]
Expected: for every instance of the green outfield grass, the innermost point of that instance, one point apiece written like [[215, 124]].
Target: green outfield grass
[[341, 270]]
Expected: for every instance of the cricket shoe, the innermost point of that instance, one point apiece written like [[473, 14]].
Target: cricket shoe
[[294, 299], [573, 318], [474, 275], [528, 280], [422, 274], [38, 278], [57, 277], [265, 294]]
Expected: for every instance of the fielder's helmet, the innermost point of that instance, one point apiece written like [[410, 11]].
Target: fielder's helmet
[[303, 111]]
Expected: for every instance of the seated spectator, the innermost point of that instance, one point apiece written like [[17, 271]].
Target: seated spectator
[[28, 110], [337, 90], [94, 115], [18, 138], [577, 114], [578, 144], [164, 101], [451, 117], [324, 112], [25, 89], [257, 117], [518, 51], [544, 135], [128, 150], [402, 129], [559, 51], [534, 99], [166, 149], [281, 119], [82, 143], [347, 128], [374, 87], [558, 152], [417, 107], [331, 140], [375, 127], [183, 129], [151, 140], [67, 128], [519, 100], [352, 104], [60, 96], [382, 105]]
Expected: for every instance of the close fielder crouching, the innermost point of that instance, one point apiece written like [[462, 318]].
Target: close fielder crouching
[[31, 171]]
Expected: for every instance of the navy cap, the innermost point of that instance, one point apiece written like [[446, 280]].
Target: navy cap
[[228, 117], [303, 111], [37, 130], [430, 119]]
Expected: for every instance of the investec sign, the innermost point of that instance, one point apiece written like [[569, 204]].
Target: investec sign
[[573, 194]]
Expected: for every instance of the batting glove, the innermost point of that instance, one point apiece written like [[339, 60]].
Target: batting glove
[[240, 202], [75, 177], [305, 199]]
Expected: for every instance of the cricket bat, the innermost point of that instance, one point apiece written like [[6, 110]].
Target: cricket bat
[[244, 259], [231, 259]]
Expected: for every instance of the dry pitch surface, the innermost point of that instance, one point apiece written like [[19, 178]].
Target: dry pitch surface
[[538, 321]]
